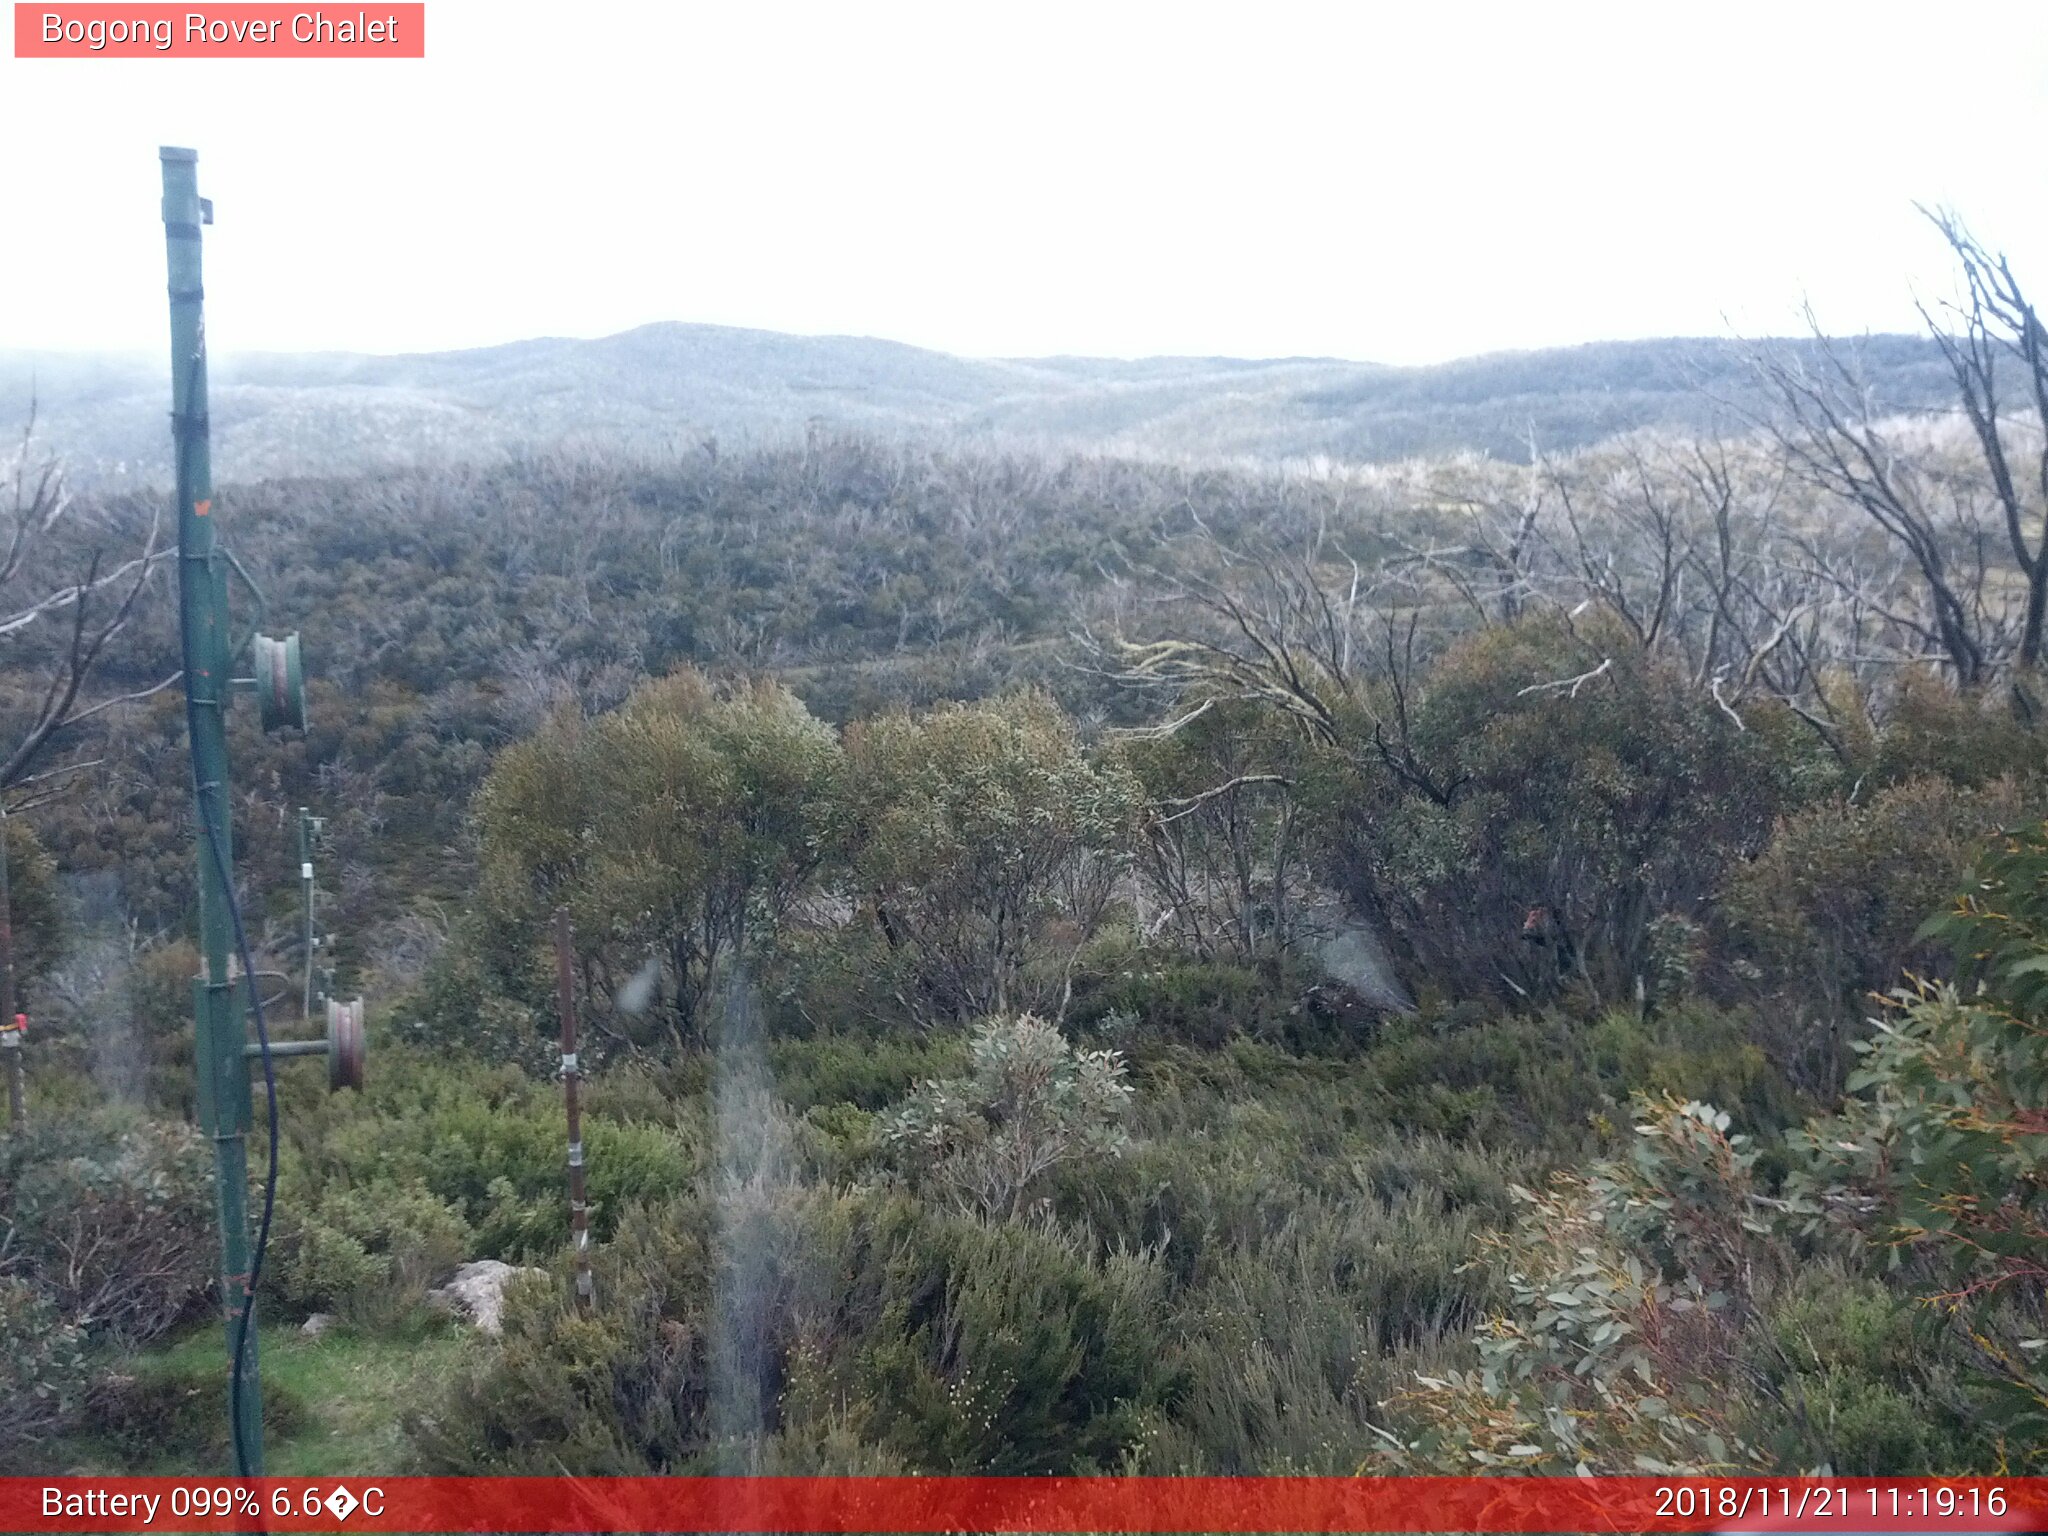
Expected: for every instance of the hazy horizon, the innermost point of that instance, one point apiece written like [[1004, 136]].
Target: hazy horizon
[[218, 353]]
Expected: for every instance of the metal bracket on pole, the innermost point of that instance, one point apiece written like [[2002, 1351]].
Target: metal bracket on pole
[[255, 592], [343, 1045]]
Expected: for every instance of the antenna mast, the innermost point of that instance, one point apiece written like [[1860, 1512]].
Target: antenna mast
[[222, 1055], [224, 995]]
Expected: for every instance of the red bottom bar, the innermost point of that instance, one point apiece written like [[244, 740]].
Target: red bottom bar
[[1843, 1506]]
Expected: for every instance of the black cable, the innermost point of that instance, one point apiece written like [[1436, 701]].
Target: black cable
[[237, 1430]]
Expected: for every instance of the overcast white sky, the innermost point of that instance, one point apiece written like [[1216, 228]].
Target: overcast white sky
[[1400, 182]]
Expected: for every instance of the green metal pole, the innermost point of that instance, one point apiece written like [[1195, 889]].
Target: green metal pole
[[203, 614]]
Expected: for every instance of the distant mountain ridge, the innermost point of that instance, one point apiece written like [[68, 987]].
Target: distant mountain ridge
[[278, 414]]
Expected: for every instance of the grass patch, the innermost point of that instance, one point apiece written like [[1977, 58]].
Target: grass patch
[[341, 1397]]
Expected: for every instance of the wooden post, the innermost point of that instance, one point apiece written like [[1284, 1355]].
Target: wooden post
[[307, 825], [565, 1001]]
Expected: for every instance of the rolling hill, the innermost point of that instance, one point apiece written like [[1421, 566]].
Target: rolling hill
[[282, 414]]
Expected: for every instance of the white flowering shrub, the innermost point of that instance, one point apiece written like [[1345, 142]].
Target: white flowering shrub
[[1029, 1102]]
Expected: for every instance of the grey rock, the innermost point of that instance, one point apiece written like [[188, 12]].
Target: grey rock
[[477, 1292]]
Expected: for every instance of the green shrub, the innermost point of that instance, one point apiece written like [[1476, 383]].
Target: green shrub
[[865, 1073], [370, 1253], [841, 1144], [151, 1415], [679, 829], [491, 1145], [1829, 912], [1220, 853], [42, 1373], [766, 1324], [1285, 1338], [986, 845], [1693, 1050], [832, 981], [647, 1092], [1605, 804], [621, 1389], [1674, 955], [1555, 1080], [36, 911], [1028, 1102], [110, 1215], [1203, 1004], [1863, 1383], [1627, 1291], [1940, 1153], [159, 999], [997, 1348], [471, 1008], [1968, 740]]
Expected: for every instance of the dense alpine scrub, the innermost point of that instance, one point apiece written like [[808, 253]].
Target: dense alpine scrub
[[1092, 966]]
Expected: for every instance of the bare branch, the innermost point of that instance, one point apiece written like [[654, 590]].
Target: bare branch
[[1568, 686]]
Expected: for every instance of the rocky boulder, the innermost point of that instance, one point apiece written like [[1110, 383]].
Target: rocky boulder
[[477, 1292]]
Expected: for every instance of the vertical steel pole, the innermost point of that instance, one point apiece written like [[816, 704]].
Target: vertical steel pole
[[565, 1002], [11, 1042], [203, 616]]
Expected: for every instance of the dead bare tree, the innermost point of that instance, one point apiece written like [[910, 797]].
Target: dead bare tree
[[88, 613], [1632, 551], [1306, 631], [1260, 624], [1477, 538], [1992, 321], [1688, 544], [1948, 518], [1834, 434], [35, 504]]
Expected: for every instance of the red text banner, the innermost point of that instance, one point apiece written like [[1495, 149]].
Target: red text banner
[[1024, 1504], [225, 31]]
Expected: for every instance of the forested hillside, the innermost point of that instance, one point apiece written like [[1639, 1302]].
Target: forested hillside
[[1088, 964], [664, 386]]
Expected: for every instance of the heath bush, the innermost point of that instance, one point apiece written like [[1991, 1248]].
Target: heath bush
[[42, 1373], [110, 1215], [370, 1253], [1028, 1102]]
